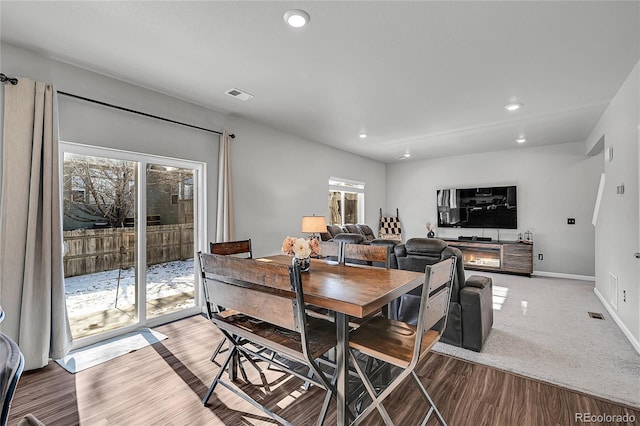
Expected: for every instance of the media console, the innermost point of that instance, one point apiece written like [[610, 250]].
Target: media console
[[495, 256]]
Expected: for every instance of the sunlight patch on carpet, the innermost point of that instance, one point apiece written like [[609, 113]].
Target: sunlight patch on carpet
[[499, 296]]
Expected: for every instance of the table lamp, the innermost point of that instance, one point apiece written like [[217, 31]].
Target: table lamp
[[314, 225]]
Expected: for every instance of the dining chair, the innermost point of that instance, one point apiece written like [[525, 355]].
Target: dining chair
[[11, 366], [403, 345], [372, 255], [232, 248], [331, 250], [379, 256], [264, 304]]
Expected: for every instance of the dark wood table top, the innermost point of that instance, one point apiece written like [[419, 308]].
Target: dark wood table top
[[355, 290]]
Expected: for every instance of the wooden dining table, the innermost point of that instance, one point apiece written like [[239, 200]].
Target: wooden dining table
[[350, 291]]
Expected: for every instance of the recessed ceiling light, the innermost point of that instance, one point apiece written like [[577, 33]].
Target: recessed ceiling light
[[513, 107], [407, 155], [362, 135], [296, 18], [521, 140]]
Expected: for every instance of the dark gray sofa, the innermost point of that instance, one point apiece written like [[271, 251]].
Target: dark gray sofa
[[361, 228], [471, 308]]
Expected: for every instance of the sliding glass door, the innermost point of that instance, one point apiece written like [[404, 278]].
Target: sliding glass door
[[100, 265], [132, 224], [170, 253]]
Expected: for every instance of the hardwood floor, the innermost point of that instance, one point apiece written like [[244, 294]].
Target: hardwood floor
[[163, 385]]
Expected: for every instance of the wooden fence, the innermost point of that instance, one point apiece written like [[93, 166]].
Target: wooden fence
[[97, 250]]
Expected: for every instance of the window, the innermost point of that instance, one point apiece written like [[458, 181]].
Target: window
[[346, 201]]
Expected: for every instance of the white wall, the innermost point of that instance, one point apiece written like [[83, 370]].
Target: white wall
[[554, 182], [91, 124], [617, 229], [278, 178]]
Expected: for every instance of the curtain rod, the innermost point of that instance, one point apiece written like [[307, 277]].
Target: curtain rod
[[133, 111], [14, 81], [5, 79]]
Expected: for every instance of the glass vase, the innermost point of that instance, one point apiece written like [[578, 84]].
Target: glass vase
[[305, 263]]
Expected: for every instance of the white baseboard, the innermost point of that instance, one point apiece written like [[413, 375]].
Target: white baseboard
[[567, 276], [634, 342]]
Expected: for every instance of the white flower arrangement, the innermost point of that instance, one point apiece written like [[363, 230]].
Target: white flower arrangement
[[300, 247]]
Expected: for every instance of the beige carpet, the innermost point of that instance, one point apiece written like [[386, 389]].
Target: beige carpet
[[542, 330]]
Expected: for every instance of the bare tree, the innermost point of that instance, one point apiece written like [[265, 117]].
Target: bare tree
[[99, 189]]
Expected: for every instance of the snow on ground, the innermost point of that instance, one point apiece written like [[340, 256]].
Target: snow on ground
[[92, 293]]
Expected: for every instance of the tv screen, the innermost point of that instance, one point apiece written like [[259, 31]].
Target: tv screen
[[490, 207]]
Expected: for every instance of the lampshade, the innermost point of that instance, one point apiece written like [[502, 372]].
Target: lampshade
[[314, 224]]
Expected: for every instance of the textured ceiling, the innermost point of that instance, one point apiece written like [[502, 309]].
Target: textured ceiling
[[431, 78]]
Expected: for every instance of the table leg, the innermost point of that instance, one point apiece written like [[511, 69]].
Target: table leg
[[233, 368], [342, 364]]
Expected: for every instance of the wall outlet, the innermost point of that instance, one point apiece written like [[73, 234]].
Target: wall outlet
[[540, 256], [624, 295]]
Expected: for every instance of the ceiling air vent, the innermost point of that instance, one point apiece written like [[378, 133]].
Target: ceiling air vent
[[596, 315], [239, 94]]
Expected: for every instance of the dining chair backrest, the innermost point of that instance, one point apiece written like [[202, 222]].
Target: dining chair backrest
[[363, 252], [251, 288], [330, 249], [434, 305], [232, 248]]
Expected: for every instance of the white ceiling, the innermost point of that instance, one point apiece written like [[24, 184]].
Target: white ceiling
[[428, 77]]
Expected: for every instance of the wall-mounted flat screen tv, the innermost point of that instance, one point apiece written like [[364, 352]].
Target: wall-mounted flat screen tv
[[490, 207]]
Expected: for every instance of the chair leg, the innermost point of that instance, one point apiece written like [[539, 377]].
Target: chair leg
[[308, 384], [273, 356], [376, 401], [433, 405], [223, 367], [220, 349], [327, 397], [217, 351], [241, 367], [263, 378]]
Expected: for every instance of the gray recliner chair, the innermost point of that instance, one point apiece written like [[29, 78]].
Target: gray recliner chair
[[471, 308]]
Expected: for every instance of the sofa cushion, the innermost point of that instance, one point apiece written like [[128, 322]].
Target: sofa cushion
[[334, 230], [352, 229], [425, 246], [325, 236], [367, 231]]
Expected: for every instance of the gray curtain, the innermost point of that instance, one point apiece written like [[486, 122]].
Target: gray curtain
[[224, 220], [31, 269]]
